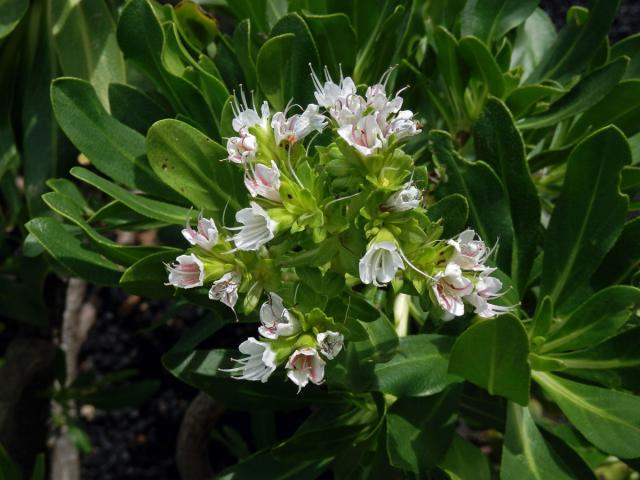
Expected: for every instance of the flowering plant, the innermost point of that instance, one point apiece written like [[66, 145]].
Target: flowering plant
[[434, 257]]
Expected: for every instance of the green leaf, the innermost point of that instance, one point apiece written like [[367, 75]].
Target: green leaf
[[95, 55], [274, 469], [499, 143], [623, 259], [246, 51], [599, 318], [620, 107], [419, 430], [542, 319], [607, 418], [453, 211], [588, 216], [589, 91], [70, 190], [165, 212], [630, 47], [68, 250], [40, 136], [11, 12], [8, 469], [525, 454], [336, 41], [148, 275], [521, 100], [448, 62], [576, 44], [418, 368], [291, 48], [488, 206], [134, 108], [491, 19], [620, 351], [482, 63], [493, 354], [533, 40], [122, 254], [195, 166], [114, 149], [197, 27], [142, 41], [40, 468], [465, 461]]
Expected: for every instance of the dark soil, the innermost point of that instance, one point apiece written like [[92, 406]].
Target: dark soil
[[139, 442]]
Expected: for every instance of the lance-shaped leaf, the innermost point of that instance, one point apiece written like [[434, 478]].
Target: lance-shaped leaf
[[68, 250], [525, 454], [607, 418], [113, 148], [95, 55], [534, 38], [491, 19], [597, 319], [576, 44], [488, 205], [11, 12], [493, 354], [587, 219], [499, 143], [588, 92], [195, 166], [623, 259]]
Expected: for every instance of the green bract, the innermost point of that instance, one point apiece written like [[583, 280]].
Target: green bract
[[436, 268]]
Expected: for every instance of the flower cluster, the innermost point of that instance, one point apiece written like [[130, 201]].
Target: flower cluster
[[358, 192], [284, 340], [466, 277]]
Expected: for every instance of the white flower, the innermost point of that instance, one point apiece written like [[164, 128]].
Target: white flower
[[259, 363], [378, 101], [225, 289], [403, 125], [258, 228], [276, 320], [186, 272], [245, 117], [487, 288], [305, 364], [331, 94], [449, 287], [296, 127], [380, 264], [264, 182], [242, 149], [470, 253], [330, 343], [206, 236], [366, 135], [406, 199]]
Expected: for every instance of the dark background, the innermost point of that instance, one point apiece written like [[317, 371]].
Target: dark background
[[139, 443]]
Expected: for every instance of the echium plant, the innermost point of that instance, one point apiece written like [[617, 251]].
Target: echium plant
[[358, 190]]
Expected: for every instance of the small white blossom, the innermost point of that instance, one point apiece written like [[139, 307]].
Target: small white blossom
[[305, 364], [406, 199], [330, 343], [206, 235], [276, 320], [264, 182], [242, 149], [186, 272], [258, 228], [259, 363], [449, 287], [245, 117], [298, 126], [366, 135], [470, 253], [487, 288], [380, 264], [225, 289], [330, 94], [403, 125]]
